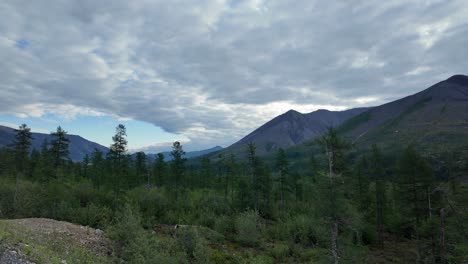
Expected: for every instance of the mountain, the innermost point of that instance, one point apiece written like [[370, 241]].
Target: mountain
[[78, 147], [434, 119], [293, 128], [190, 154]]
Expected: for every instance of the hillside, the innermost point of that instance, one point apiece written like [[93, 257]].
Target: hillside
[[78, 147], [189, 154], [435, 118], [292, 128]]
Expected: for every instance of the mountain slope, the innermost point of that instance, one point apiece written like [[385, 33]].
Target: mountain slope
[[433, 118], [189, 154], [78, 147], [293, 128]]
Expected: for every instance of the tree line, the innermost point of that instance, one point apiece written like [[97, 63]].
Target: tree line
[[347, 206]]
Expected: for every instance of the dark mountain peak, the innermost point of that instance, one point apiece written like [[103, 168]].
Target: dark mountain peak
[[292, 112], [322, 111], [454, 88], [458, 79]]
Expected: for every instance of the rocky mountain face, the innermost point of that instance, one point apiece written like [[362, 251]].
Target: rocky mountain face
[[293, 128], [78, 147], [434, 117]]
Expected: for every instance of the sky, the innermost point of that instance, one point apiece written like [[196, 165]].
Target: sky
[[208, 72]]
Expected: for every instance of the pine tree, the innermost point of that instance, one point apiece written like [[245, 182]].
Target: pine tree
[[232, 171], [334, 149], [282, 165], [97, 168], [415, 181], [118, 157], [206, 176], [141, 168], [361, 180], [178, 163], [22, 144], [254, 171], [159, 170], [85, 163], [59, 147], [376, 165]]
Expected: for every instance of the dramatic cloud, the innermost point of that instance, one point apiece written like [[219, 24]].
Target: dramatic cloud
[[214, 70]]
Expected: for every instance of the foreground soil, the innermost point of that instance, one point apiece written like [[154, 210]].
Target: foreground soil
[[40, 240]]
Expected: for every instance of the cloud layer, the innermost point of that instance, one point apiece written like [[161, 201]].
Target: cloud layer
[[214, 70]]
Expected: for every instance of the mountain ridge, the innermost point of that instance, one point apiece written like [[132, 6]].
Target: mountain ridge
[[292, 128], [78, 147]]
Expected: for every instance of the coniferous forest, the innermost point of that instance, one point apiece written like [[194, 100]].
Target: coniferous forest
[[333, 203]]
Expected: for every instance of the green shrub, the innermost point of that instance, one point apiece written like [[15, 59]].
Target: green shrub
[[193, 244], [280, 252], [248, 228], [225, 225]]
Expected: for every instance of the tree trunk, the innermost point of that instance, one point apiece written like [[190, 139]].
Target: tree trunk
[[442, 236], [334, 243], [16, 193]]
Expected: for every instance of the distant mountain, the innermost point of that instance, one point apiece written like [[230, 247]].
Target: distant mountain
[[78, 147], [434, 119], [190, 154], [293, 128]]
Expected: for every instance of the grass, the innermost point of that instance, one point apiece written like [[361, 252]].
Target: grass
[[46, 247]]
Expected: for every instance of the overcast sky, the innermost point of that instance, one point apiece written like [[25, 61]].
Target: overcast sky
[[209, 72]]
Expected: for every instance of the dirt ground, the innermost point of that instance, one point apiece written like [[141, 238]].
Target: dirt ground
[[32, 233]]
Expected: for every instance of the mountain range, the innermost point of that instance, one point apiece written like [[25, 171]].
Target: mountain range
[[78, 146], [434, 119], [293, 128]]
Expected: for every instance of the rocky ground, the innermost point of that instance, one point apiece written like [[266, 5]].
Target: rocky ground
[[39, 240]]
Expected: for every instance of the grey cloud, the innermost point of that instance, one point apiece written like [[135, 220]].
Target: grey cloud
[[211, 70]]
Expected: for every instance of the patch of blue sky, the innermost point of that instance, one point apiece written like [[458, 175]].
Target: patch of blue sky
[[22, 44], [99, 129]]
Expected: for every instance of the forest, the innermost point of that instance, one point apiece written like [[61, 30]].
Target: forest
[[339, 206]]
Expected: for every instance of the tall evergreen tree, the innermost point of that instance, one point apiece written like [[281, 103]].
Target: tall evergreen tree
[[97, 168], [232, 171], [254, 171], [282, 165], [361, 180], [22, 145], [159, 170], [85, 163], [141, 168], [206, 177], [178, 163], [416, 184], [334, 149], [118, 156], [59, 147], [377, 171]]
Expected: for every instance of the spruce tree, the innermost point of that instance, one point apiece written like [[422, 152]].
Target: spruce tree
[[376, 165], [159, 170], [59, 147], [22, 145], [282, 165], [178, 163], [141, 168], [117, 155], [334, 149], [254, 171], [97, 168]]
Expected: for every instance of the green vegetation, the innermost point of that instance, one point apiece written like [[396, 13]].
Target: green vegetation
[[337, 207]]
